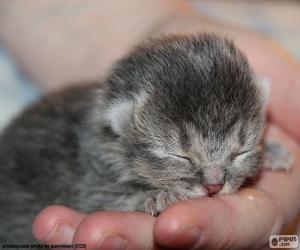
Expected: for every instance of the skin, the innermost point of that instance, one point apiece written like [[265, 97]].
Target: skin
[[208, 223]]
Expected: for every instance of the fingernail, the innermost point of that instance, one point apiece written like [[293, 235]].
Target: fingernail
[[113, 242], [61, 234], [187, 236]]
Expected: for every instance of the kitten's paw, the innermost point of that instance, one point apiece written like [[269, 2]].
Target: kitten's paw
[[163, 200], [150, 207], [276, 157]]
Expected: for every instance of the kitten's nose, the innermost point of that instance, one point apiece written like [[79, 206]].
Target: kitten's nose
[[213, 188]]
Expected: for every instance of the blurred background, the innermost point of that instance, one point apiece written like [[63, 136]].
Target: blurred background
[[277, 19]]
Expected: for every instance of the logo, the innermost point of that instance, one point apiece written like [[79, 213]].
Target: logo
[[283, 241]]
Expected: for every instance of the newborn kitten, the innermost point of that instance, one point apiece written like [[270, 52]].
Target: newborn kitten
[[179, 117]]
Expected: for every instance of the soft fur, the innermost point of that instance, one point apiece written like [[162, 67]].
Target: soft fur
[[176, 114]]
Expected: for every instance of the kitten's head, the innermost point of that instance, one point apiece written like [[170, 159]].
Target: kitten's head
[[189, 113]]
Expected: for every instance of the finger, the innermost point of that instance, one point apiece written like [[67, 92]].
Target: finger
[[56, 225], [102, 230], [116, 230], [217, 223], [270, 60], [232, 221], [282, 186], [284, 99]]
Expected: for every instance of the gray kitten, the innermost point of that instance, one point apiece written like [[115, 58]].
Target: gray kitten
[[179, 117]]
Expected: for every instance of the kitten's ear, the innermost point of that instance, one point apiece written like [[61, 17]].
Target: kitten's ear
[[264, 85], [123, 113], [120, 116]]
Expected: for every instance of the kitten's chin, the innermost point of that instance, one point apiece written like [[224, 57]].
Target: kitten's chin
[[197, 192], [228, 189]]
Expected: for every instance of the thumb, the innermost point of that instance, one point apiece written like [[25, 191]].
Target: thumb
[[241, 221]]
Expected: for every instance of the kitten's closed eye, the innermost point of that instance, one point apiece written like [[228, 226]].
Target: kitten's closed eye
[[234, 155], [182, 157]]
